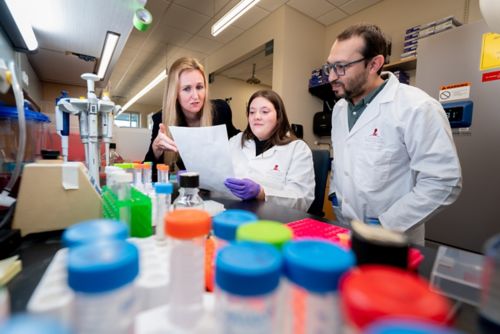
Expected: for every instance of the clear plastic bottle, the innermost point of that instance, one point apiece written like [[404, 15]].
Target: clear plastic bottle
[[121, 188], [187, 230], [90, 231], [246, 295], [489, 308], [26, 323], [162, 206], [102, 276], [313, 269], [188, 192], [227, 222]]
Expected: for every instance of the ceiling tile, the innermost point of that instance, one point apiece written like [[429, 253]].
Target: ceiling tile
[[174, 52], [331, 17], [271, 5], [171, 35], [136, 39], [224, 37], [312, 8], [68, 69], [154, 96], [157, 9], [220, 4], [185, 19], [205, 7], [337, 3], [355, 6], [203, 45], [254, 15]]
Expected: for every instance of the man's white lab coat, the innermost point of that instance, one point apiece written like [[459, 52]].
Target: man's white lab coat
[[398, 163]]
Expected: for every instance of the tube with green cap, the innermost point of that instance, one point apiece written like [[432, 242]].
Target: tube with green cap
[[265, 231]]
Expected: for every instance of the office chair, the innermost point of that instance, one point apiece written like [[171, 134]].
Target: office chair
[[321, 161]]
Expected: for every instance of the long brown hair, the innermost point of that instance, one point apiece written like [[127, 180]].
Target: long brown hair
[[282, 133], [172, 111]]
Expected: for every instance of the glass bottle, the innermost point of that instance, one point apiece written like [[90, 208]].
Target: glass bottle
[[114, 157], [188, 192]]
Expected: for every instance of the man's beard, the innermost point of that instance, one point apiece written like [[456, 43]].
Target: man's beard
[[356, 88]]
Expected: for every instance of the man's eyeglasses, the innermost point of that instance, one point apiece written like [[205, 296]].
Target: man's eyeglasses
[[339, 68]]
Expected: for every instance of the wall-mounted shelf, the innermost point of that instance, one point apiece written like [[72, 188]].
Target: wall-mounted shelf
[[324, 92], [406, 64]]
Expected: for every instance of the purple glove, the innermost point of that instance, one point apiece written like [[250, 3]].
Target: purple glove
[[243, 188]]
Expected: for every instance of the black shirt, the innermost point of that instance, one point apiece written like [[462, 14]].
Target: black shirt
[[261, 146], [221, 114]]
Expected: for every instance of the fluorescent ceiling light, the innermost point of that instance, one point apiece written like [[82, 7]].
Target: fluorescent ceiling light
[[17, 25], [159, 78], [108, 50], [241, 8]]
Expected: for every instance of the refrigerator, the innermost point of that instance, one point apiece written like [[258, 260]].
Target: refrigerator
[[452, 58]]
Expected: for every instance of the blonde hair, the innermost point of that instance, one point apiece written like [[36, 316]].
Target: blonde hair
[[172, 111]]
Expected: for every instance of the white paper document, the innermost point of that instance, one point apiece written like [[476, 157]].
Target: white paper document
[[205, 150]]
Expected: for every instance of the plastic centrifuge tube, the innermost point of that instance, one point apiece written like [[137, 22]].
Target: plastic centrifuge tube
[[102, 276], [122, 191], [138, 176], [147, 178], [162, 170], [247, 297], [163, 199], [313, 269], [187, 230]]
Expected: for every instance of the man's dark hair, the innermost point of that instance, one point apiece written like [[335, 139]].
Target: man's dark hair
[[375, 41]]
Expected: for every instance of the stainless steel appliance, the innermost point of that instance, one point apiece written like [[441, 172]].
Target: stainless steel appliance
[[453, 57]]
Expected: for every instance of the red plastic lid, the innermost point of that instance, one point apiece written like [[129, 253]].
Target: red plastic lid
[[371, 292]]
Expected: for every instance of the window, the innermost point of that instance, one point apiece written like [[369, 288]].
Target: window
[[128, 120]]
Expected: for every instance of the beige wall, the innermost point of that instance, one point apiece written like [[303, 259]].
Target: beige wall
[[239, 92], [298, 45], [302, 46], [395, 16], [270, 28]]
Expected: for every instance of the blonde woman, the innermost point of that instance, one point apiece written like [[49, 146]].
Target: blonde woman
[[185, 104]]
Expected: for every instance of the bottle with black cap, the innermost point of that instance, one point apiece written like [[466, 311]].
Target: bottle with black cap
[[188, 192]]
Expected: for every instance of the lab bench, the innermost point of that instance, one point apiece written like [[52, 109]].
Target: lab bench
[[38, 249]]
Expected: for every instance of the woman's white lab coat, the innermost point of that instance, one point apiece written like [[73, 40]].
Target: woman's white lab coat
[[398, 163], [285, 172]]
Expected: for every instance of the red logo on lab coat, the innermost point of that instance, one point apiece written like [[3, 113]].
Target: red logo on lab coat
[[275, 167], [375, 132]]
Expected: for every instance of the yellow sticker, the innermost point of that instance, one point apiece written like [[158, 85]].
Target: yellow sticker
[[490, 51]]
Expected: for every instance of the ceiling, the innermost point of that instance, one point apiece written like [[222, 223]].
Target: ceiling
[[179, 28]]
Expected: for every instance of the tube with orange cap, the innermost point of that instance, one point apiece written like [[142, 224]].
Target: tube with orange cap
[[162, 173], [187, 230]]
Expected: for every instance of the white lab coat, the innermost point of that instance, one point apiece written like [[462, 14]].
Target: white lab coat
[[398, 163], [285, 172]]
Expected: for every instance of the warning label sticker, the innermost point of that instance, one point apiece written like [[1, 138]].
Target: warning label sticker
[[454, 92]]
